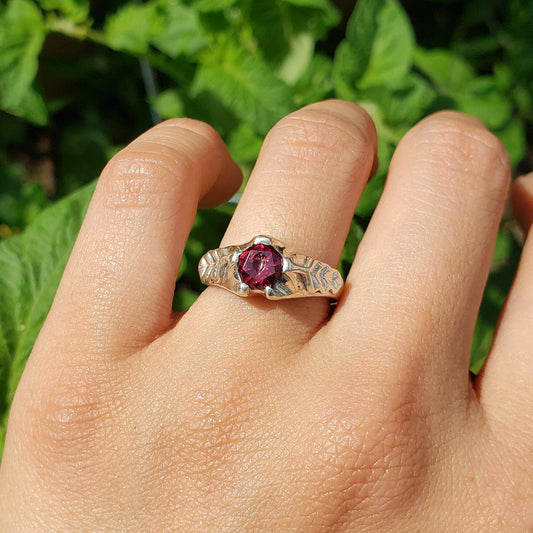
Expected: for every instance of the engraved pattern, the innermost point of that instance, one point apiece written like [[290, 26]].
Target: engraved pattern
[[302, 275], [207, 267], [323, 277], [319, 278]]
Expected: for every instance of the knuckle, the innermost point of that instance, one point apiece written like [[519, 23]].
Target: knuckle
[[327, 140], [145, 172], [183, 124], [461, 145], [211, 433], [65, 415], [141, 175], [374, 458], [179, 137]]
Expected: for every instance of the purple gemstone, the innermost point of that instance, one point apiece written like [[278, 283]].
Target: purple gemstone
[[260, 266]]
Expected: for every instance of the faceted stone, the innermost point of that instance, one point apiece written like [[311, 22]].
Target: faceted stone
[[260, 266]]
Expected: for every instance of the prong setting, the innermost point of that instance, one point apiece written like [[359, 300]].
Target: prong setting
[[244, 290], [263, 239], [263, 266]]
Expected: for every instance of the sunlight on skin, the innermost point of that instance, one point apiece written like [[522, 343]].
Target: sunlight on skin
[[254, 415]]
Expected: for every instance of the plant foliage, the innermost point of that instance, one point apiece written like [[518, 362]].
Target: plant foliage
[[78, 81]]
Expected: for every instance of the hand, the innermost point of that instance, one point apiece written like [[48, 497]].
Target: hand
[[245, 414]]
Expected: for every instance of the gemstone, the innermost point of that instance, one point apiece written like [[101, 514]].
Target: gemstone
[[260, 266]]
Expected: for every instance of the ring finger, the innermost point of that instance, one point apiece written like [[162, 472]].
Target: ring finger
[[303, 191]]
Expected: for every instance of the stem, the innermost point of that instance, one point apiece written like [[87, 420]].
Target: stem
[[181, 76], [150, 87], [159, 61], [68, 28]]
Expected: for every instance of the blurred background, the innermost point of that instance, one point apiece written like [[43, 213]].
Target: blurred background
[[80, 79]]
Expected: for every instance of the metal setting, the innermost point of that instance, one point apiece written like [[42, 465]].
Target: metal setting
[[302, 276]]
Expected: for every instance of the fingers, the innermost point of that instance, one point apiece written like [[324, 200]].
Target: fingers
[[420, 270], [308, 179], [522, 200], [116, 293], [505, 385], [303, 191]]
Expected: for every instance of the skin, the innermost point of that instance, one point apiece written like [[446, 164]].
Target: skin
[[252, 415]]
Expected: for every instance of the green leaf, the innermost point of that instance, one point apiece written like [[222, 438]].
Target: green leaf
[[244, 144], [482, 98], [206, 234], [493, 109], [298, 58], [168, 104], [315, 83], [76, 10], [352, 242], [268, 18], [208, 6], [480, 50], [33, 108], [523, 96], [20, 200], [31, 266], [377, 49], [183, 33], [313, 16], [80, 167], [208, 107], [504, 264], [132, 27], [183, 299], [481, 343], [296, 26], [323, 5], [503, 76], [392, 49], [353, 54], [245, 84], [408, 103], [513, 136], [22, 35], [374, 188], [447, 70]]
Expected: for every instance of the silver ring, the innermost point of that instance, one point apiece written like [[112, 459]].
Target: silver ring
[[264, 266]]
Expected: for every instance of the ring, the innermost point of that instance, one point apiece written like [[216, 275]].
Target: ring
[[264, 266]]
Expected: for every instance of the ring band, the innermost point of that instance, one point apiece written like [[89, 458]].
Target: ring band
[[264, 266]]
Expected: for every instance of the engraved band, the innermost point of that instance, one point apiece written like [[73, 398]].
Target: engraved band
[[288, 275]]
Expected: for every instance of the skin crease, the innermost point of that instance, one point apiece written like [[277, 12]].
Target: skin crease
[[251, 415]]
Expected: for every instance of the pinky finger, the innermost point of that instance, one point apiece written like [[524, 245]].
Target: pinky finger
[[522, 200], [505, 385]]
